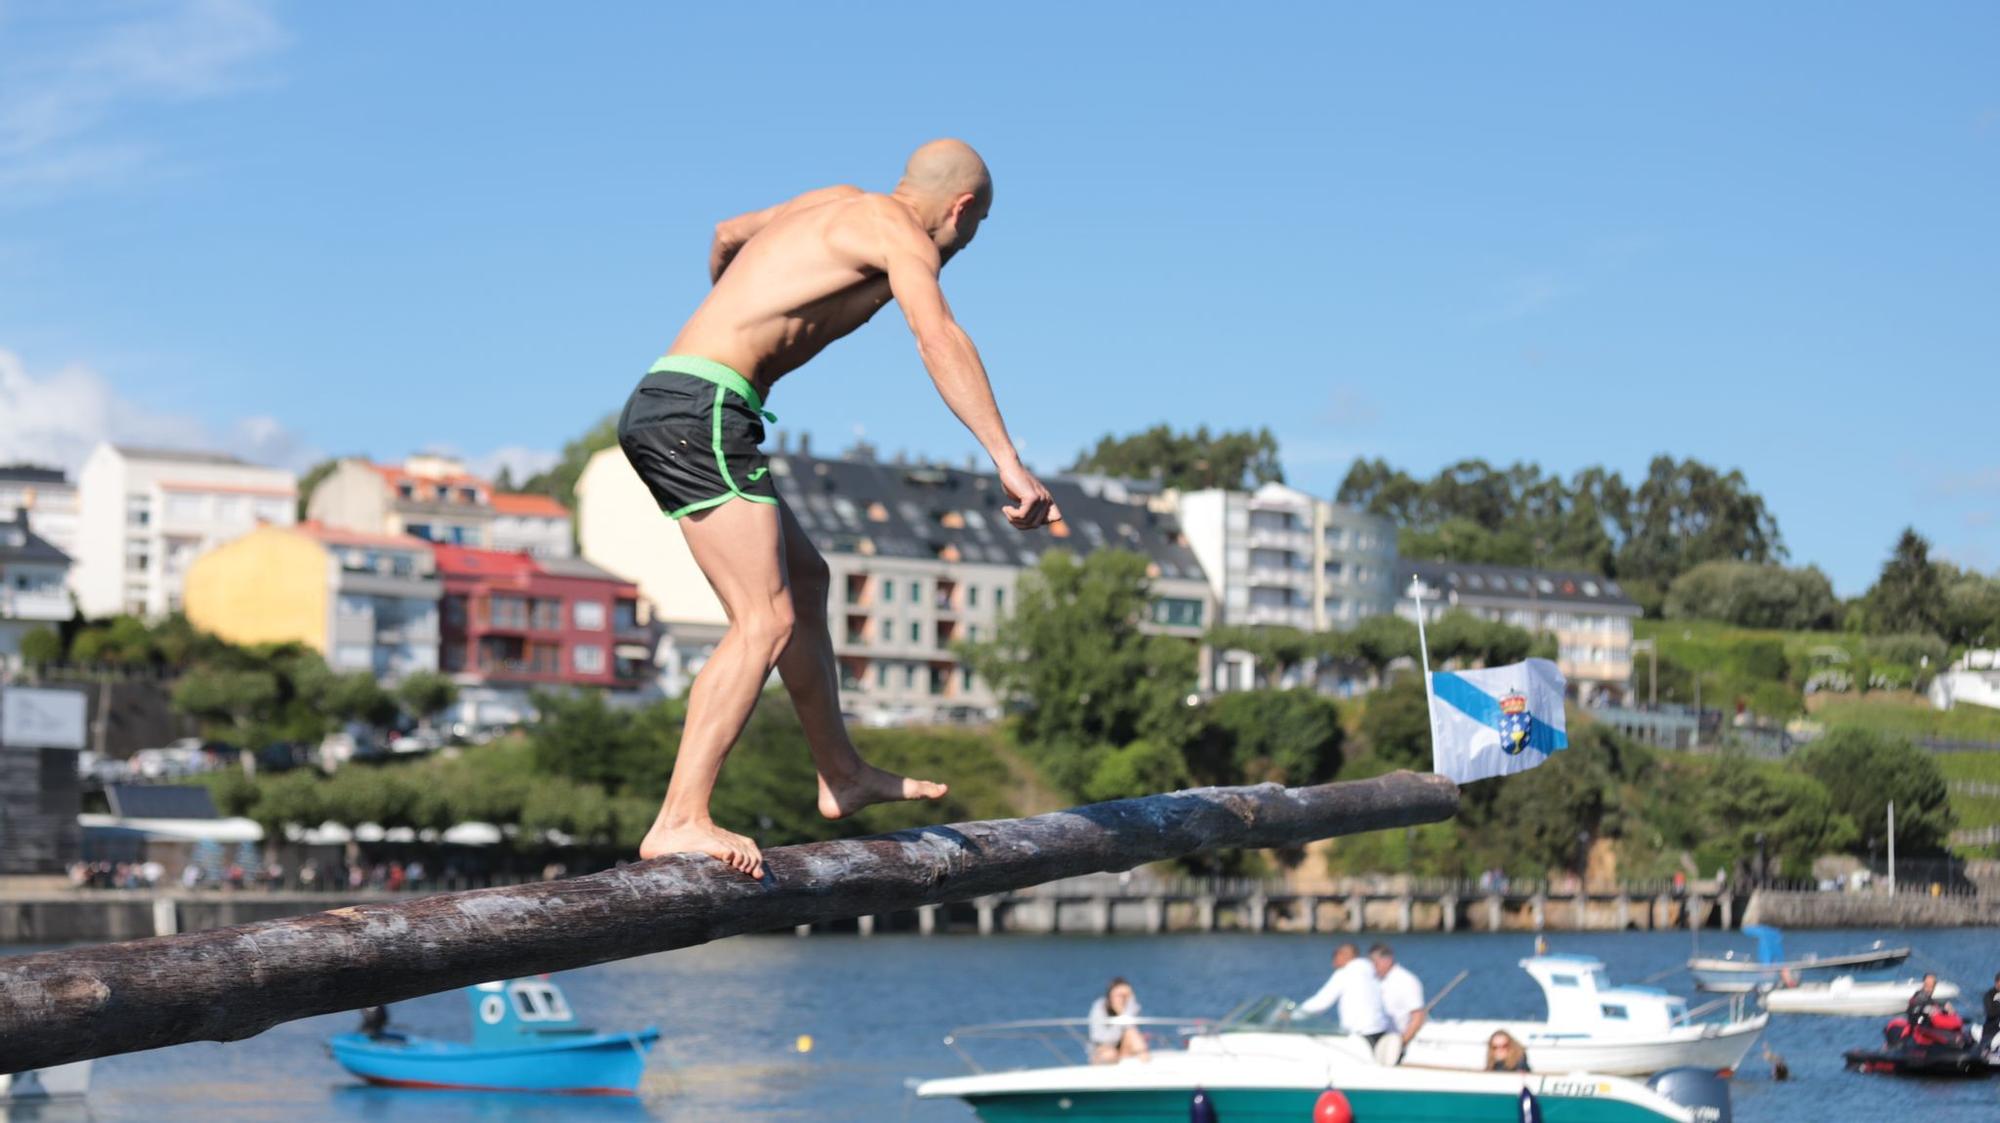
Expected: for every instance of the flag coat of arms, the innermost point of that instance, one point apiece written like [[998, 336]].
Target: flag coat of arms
[[1496, 721]]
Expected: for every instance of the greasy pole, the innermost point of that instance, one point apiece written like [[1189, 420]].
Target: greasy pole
[[231, 983]]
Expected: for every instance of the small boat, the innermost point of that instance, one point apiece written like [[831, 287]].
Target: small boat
[[38, 1084], [525, 1038], [1937, 1047], [1593, 1026], [1848, 996], [1260, 1066], [1732, 974]]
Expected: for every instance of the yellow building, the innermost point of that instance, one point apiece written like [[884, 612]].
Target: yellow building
[[367, 602]]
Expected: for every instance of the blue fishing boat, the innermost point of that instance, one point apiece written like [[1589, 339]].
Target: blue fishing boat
[[525, 1038]]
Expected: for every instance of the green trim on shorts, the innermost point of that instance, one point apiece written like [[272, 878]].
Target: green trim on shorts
[[727, 380], [709, 370]]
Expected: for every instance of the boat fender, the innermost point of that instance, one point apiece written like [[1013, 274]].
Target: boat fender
[[1332, 1108], [1201, 1109], [1531, 1108], [1699, 1090]]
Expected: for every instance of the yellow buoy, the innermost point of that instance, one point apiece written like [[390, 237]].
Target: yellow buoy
[[805, 1043]]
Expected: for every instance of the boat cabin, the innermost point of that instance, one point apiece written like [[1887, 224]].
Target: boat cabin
[[513, 1012], [1581, 999]]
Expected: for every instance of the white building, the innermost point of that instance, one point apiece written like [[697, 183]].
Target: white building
[[920, 558], [47, 495], [145, 514], [1973, 680], [1281, 556], [1590, 616], [434, 498], [32, 572]]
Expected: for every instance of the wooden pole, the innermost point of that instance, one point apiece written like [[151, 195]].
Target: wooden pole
[[231, 983]]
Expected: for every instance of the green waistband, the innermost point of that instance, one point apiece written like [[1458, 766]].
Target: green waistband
[[711, 371]]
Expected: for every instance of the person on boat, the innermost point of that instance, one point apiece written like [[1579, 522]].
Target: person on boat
[[1358, 990], [1505, 1053], [375, 1021], [1110, 1041], [1991, 1004], [1402, 997]]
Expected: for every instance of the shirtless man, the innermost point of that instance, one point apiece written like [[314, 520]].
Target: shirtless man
[[788, 281]]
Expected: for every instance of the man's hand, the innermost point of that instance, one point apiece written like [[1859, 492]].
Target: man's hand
[[1033, 505]]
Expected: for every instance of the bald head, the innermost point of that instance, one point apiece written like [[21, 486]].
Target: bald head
[[946, 185], [946, 169]]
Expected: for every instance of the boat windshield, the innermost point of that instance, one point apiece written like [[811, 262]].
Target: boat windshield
[[1274, 1013]]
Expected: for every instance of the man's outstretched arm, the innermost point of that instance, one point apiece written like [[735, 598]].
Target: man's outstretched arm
[[912, 262], [731, 234]]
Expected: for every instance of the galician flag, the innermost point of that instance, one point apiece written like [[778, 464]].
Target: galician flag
[[1496, 721]]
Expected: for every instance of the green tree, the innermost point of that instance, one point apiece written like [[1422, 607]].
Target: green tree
[[1190, 461], [1909, 594], [358, 697], [241, 702], [1288, 736], [1396, 723], [425, 694], [1276, 649], [1073, 655], [1685, 513], [1381, 640], [1970, 614], [1792, 810], [1863, 771], [1754, 596], [41, 646]]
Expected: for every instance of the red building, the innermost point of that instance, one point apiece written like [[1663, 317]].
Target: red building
[[514, 622]]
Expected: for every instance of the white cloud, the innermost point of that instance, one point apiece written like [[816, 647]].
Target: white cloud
[[57, 418], [69, 78]]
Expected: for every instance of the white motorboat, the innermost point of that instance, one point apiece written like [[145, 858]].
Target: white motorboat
[[1734, 974], [1848, 996], [37, 1084], [1593, 1026], [1260, 1066]]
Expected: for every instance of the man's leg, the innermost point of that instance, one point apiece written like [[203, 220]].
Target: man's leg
[[739, 547], [812, 677]]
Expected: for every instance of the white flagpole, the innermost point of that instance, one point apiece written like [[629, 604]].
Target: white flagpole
[[1424, 653]]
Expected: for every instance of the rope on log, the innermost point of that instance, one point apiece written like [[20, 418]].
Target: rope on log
[[230, 983]]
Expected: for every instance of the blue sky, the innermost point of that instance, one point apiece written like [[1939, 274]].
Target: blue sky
[[1570, 234]]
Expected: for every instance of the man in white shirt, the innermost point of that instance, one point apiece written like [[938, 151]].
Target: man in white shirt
[[1355, 986], [1402, 999]]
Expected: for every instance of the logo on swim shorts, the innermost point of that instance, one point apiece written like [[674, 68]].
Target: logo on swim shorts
[[1515, 724]]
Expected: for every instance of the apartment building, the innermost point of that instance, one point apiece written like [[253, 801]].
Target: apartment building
[[366, 602], [144, 515], [32, 592], [1589, 616], [1280, 556], [434, 498], [47, 495], [512, 623], [920, 558]]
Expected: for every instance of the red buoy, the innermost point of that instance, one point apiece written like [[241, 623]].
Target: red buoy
[[1332, 1108]]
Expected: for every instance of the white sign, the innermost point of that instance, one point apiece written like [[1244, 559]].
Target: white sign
[[32, 718]]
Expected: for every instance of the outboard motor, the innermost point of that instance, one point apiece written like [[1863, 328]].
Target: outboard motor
[[1699, 1090]]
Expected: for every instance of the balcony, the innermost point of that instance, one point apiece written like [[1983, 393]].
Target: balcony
[[1298, 616], [1265, 538], [35, 604], [1281, 577]]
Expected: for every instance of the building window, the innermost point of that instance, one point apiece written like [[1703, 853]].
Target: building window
[[406, 491], [972, 596], [916, 631], [916, 593], [354, 606], [589, 615], [588, 658], [1177, 612], [420, 530], [910, 675], [138, 511], [882, 675], [965, 678], [468, 495], [353, 656], [999, 600], [272, 510], [888, 592]]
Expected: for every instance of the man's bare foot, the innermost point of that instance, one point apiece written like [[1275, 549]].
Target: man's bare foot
[[872, 785], [732, 850]]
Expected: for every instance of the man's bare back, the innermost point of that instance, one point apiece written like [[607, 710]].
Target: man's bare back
[[789, 280]]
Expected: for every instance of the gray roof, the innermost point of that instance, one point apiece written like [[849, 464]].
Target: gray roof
[[182, 455], [18, 543], [32, 474], [576, 567], [1514, 582], [160, 801], [920, 504]]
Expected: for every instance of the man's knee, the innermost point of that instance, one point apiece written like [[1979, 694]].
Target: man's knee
[[811, 581], [768, 627]]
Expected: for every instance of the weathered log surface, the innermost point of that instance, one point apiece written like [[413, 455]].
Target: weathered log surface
[[231, 983]]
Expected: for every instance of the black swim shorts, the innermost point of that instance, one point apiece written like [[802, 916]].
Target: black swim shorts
[[691, 430]]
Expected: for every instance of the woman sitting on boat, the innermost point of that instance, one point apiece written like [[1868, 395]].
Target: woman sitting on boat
[[1111, 1042], [1505, 1054]]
